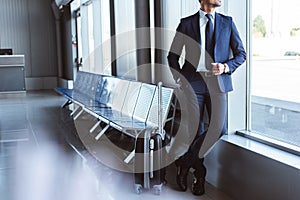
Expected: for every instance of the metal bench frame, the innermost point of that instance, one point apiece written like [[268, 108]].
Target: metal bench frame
[[126, 105]]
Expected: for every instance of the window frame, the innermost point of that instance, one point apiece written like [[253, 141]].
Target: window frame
[[247, 133]]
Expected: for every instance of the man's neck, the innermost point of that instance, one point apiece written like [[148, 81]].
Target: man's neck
[[207, 8]]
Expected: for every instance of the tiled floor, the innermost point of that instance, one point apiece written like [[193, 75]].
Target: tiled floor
[[42, 159]]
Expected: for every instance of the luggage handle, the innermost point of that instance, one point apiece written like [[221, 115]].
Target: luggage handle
[[151, 145], [160, 110]]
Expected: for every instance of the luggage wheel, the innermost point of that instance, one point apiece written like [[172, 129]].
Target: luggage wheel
[[157, 189], [138, 188]]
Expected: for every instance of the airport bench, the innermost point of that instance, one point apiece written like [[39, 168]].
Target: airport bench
[[84, 90], [126, 105]]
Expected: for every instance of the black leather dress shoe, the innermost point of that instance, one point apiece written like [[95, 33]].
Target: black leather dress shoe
[[181, 177], [198, 186]]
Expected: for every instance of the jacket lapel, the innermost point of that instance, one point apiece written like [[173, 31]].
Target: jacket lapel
[[195, 26], [219, 26]]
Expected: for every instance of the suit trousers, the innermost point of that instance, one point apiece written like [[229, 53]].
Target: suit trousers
[[191, 159]]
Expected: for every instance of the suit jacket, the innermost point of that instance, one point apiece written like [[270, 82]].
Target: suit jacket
[[228, 49]]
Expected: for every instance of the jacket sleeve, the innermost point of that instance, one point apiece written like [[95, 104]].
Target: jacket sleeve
[[175, 52], [238, 51]]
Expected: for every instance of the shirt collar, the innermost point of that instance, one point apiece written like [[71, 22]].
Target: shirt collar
[[202, 14]]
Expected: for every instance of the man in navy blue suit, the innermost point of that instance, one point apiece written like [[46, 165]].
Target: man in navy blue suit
[[213, 51]]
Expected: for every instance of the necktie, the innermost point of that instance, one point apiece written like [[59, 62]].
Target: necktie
[[209, 42]]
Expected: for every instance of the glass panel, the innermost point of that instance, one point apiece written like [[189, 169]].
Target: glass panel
[[126, 51], [275, 93], [91, 39], [85, 38], [106, 42], [93, 34]]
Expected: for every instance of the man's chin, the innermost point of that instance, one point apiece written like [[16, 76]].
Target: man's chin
[[215, 5]]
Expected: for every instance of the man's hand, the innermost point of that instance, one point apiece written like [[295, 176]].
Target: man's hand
[[219, 68], [179, 83]]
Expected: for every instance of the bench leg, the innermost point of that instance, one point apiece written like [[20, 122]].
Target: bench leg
[[95, 126], [74, 111], [129, 157], [68, 102], [80, 112], [102, 132]]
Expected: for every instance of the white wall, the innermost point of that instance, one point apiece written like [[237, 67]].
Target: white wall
[[237, 99], [28, 27]]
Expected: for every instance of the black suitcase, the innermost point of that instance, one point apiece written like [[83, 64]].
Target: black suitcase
[[149, 173]]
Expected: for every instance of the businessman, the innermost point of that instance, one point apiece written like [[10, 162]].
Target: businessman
[[213, 51]]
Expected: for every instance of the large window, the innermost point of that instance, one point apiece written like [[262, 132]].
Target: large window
[[105, 37], [125, 26], [93, 35], [275, 71]]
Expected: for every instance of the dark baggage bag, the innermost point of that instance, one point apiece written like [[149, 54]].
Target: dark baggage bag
[[149, 173]]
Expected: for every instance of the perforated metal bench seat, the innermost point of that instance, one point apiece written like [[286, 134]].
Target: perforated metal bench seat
[[126, 105], [84, 90], [137, 110], [68, 93]]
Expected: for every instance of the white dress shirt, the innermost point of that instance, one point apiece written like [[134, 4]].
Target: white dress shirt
[[202, 25]]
